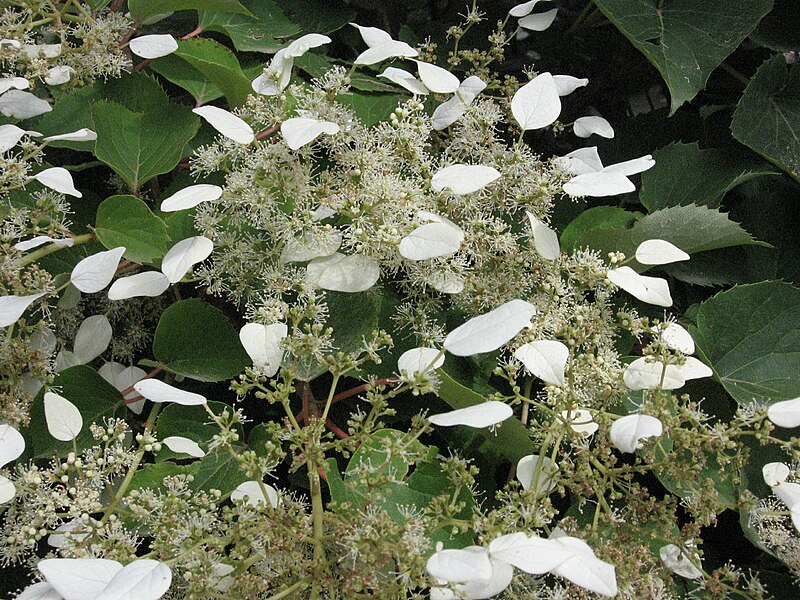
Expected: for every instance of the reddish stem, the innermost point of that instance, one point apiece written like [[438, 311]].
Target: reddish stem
[[141, 65], [266, 132], [129, 389], [340, 433], [361, 388], [194, 33]]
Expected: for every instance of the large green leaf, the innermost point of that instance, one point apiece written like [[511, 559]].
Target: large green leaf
[[750, 335], [780, 29], [142, 9], [767, 118], [176, 70], [371, 108], [685, 174], [194, 339], [138, 146], [685, 39], [127, 221], [319, 16], [598, 217], [692, 228], [266, 31], [95, 398]]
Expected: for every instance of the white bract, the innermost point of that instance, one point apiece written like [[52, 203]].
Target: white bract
[[464, 179], [478, 415], [580, 161], [10, 135], [491, 330], [253, 494], [381, 46], [184, 255], [644, 374], [22, 105], [41, 240], [524, 9], [342, 273], [158, 391], [58, 75], [430, 241], [546, 359], [12, 444], [64, 421], [678, 562], [677, 338], [584, 127], [228, 124], [446, 282], [537, 473], [191, 196], [12, 307], [539, 21], [299, 131], [153, 46], [529, 553], [566, 84], [142, 579], [437, 79], [183, 445], [785, 413], [311, 245], [584, 569], [95, 272], [450, 111], [659, 252], [545, 239], [75, 528], [7, 489], [13, 83], [275, 78], [40, 591], [419, 360], [652, 290], [537, 103], [264, 345], [80, 135], [628, 432], [148, 283], [92, 339], [775, 473], [122, 378], [460, 565], [593, 179], [692, 368], [42, 50], [58, 179], [580, 421], [405, 80], [79, 578]]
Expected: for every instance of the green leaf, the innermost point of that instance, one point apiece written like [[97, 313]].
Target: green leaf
[[780, 29], [683, 39], [71, 112], [95, 398], [750, 335], [767, 118], [599, 217], [510, 438], [127, 221], [319, 16], [217, 471], [182, 74], [137, 145], [692, 228], [138, 92], [216, 64], [141, 9], [265, 31], [194, 339], [693, 484], [151, 476], [685, 174], [371, 108]]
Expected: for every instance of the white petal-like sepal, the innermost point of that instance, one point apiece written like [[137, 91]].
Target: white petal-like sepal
[[58, 75], [529, 553], [598, 185], [584, 569], [464, 179], [454, 566], [303, 44], [228, 124], [79, 578], [12, 307], [652, 290], [143, 579], [384, 51], [7, 492], [81, 135], [785, 413], [584, 127], [419, 360], [631, 167], [153, 46], [628, 432], [252, 493], [341, 273], [677, 338], [92, 339], [158, 391], [545, 239], [405, 80], [566, 84], [485, 414], [659, 252], [546, 359], [580, 421], [678, 562], [524, 9], [58, 179], [489, 331], [95, 272], [545, 474], [437, 79], [22, 105], [539, 21], [263, 344], [183, 445], [184, 255], [300, 131], [13, 83], [644, 374], [775, 473], [536, 104], [64, 421], [10, 135], [191, 196], [692, 368], [431, 240], [148, 283], [12, 444]]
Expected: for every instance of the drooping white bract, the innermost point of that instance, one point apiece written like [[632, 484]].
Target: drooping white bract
[[537, 103], [299, 131], [12, 307], [580, 421], [41, 240], [598, 184], [42, 50], [81, 135], [546, 359], [631, 167], [343, 273], [64, 421], [628, 432], [123, 378], [566, 84], [431, 240], [535, 476], [677, 562], [252, 493], [584, 569], [529, 553], [659, 252], [153, 46], [79, 578], [158, 391], [58, 179], [275, 78], [7, 490], [381, 46], [12, 444], [13, 83], [58, 75], [775, 473], [92, 338], [524, 9], [142, 579], [22, 105], [183, 445], [584, 127], [644, 374], [437, 79], [419, 360], [539, 21], [405, 80], [303, 44], [652, 290], [148, 283], [491, 330], [460, 565], [692, 368], [39, 591], [228, 124], [191, 196], [10, 135], [545, 239], [312, 244], [675, 337], [789, 493], [446, 282], [184, 255], [450, 111], [785, 413], [264, 345], [75, 528], [464, 179], [95, 272], [481, 415]]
